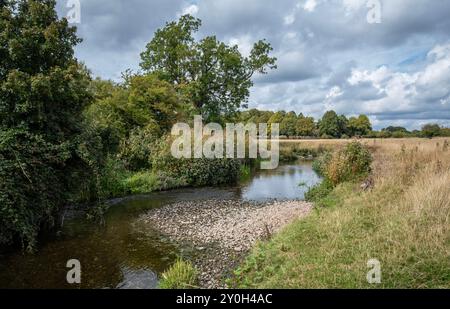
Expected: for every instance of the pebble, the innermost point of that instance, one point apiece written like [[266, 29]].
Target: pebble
[[223, 231]]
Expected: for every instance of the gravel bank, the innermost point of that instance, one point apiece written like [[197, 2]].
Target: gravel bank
[[222, 231]]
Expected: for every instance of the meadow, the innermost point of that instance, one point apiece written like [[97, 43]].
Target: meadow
[[401, 219]]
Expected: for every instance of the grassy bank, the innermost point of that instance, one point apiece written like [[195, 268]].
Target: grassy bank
[[403, 221]]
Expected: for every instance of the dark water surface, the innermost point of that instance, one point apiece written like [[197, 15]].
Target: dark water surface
[[116, 254]]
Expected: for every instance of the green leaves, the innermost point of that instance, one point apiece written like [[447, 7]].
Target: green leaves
[[218, 75], [45, 155]]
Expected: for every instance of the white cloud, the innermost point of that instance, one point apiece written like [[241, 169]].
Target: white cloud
[[191, 9], [334, 93], [244, 43], [289, 19], [310, 5], [353, 5]]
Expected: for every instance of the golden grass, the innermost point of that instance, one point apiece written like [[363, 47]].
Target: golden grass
[[404, 222]]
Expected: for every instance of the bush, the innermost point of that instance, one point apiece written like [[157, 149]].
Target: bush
[[181, 275], [196, 172], [320, 164], [136, 150], [348, 164], [112, 179]]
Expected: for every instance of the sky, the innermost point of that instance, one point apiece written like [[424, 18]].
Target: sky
[[389, 59]]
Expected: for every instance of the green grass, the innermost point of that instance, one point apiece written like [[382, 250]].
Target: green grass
[[330, 249], [181, 275]]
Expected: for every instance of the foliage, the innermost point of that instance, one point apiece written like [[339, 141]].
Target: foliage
[[293, 152], [330, 125], [305, 126], [319, 193], [431, 130], [288, 125], [43, 91], [181, 275], [245, 172], [320, 164], [359, 126], [130, 117], [348, 164], [216, 75], [195, 172], [112, 178], [137, 149]]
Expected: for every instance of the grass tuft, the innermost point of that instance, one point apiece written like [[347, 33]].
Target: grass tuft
[[181, 275]]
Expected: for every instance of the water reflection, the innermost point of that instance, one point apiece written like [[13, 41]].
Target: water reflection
[[285, 183]]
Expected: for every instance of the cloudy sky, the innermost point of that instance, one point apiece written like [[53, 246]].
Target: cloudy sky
[[331, 54]]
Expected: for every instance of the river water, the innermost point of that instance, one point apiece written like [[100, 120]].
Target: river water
[[116, 254]]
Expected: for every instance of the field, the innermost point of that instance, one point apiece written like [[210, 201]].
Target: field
[[403, 222]]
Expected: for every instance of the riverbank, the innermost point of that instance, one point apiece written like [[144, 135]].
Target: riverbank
[[401, 220], [222, 231]]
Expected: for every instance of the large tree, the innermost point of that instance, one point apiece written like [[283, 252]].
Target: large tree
[[431, 130], [305, 126], [329, 125], [359, 126], [43, 91], [217, 76], [288, 124]]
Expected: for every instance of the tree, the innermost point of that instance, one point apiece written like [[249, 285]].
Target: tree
[[431, 130], [343, 126], [44, 153], [392, 129], [217, 75], [275, 118], [359, 126], [305, 126], [288, 124], [330, 125], [132, 115]]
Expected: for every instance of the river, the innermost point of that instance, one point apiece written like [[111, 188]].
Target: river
[[116, 255]]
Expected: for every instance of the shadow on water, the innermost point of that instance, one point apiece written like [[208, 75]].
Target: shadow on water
[[118, 255]]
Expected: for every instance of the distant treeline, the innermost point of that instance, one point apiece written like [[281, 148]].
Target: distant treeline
[[332, 125]]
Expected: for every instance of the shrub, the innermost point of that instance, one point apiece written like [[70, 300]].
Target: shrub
[[196, 172], [348, 164], [136, 150], [181, 275], [320, 164]]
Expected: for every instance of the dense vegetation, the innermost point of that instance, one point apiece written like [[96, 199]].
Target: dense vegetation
[[67, 139], [46, 150], [399, 218]]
